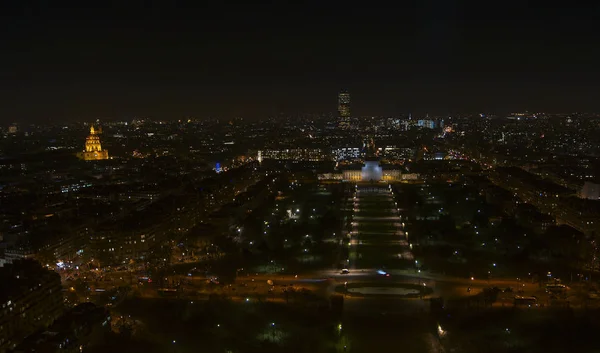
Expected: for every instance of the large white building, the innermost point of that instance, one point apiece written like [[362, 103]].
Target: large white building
[[370, 171]]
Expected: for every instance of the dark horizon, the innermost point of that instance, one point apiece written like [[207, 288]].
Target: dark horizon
[[226, 61]]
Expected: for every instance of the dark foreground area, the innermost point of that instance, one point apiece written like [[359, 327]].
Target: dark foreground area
[[366, 325]]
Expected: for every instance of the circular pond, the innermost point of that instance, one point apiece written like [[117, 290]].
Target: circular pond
[[406, 290]]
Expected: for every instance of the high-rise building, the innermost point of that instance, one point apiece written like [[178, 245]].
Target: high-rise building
[[344, 104]]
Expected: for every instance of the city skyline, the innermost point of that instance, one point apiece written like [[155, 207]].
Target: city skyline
[[331, 230], [228, 61], [320, 177]]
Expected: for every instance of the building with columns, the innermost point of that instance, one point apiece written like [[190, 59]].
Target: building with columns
[[93, 149], [370, 170]]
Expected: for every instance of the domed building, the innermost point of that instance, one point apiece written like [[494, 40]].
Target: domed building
[[93, 148], [369, 169]]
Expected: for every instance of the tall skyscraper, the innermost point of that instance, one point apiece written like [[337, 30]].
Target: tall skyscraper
[[344, 104]]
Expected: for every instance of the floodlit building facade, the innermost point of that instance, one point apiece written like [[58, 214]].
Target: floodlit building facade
[[93, 149]]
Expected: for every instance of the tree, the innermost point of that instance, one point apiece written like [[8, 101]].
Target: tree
[[81, 287], [46, 257], [490, 295]]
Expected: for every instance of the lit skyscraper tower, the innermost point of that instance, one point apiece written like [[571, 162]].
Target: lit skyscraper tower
[[344, 104]]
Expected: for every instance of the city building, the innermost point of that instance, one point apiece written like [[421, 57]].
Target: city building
[[397, 153], [590, 191], [426, 123], [346, 153], [370, 170], [294, 154], [31, 298], [344, 104], [528, 216], [93, 149], [84, 325]]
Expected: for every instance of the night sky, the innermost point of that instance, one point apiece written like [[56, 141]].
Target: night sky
[[176, 59]]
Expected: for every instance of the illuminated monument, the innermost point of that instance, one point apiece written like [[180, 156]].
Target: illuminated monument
[[93, 149], [369, 170]]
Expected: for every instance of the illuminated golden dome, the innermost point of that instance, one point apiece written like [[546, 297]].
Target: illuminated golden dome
[[93, 148]]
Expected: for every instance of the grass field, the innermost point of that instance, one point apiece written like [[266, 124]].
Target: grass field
[[378, 231]]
